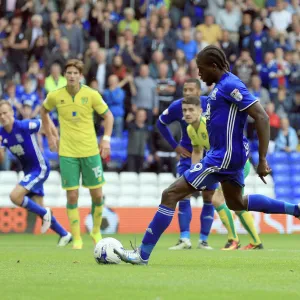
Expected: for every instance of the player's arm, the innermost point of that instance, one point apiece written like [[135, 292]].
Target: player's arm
[[165, 119], [2, 151], [102, 109], [48, 126], [197, 154]]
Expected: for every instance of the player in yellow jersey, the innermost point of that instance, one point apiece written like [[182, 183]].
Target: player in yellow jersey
[[197, 132], [78, 145]]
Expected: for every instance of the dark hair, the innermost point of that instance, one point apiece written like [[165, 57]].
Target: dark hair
[[194, 80], [191, 100], [213, 55]]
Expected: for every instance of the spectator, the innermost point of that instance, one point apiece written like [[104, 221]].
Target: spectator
[[283, 68], [54, 40], [199, 40], [157, 59], [36, 76], [129, 21], [296, 104], [118, 68], [63, 53], [176, 12], [12, 98], [294, 35], [214, 7], [287, 139], [90, 56], [129, 54], [169, 32], [16, 45], [3, 28], [143, 43], [180, 77], [74, 34], [245, 31], [195, 10], [54, 21], [179, 61], [259, 43], [40, 52], [99, 70], [4, 70], [230, 19], [283, 102], [295, 71], [55, 80], [166, 87], [44, 9], [138, 137], [294, 7], [244, 67], [185, 25], [228, 47], [281, 40], [281, 18], [258, 91], [274, 120], [114, 96], [146, 96], [30, 101], [211, 32], [33, 33], [187, 45]]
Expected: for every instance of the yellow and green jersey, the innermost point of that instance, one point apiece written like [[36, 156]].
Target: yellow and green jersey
[[76, 118], [199, 137]]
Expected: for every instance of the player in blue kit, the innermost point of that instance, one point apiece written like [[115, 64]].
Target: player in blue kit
[[20, 138], [228, 107]]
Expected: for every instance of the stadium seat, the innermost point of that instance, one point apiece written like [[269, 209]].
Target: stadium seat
[[149, 190], [148, 178], [295, 179], [85, 201], [129, 177], [266, 191], [296, 191], [111, 201], [129, 190], [10, 177], [54, 178], [165, 179], [112, 178], [254, 157], [54, 201], [280, 168], [268, 179], [280, 157], [127, 201], [111, 189], [20, 175], [285, 199], [283, 192], [295, 169], [5, 189], [148, 201], [5, 202], [295, 158], [52, 190], [84, 192], [248, 190], [282, 179], [250, 180]]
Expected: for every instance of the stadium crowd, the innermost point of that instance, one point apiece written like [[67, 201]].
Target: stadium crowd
[[138, 54]]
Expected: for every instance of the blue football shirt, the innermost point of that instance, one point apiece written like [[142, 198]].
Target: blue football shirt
[[226, 118]]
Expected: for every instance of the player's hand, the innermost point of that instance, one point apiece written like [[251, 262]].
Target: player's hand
[[263, 169], [182, 152], [53, 143], [104, 148]]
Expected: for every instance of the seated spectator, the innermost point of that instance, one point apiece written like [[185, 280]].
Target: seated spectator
[[187, 45], [129, 21], [114, 96], [138, 138], [287, 139], [55, 80], [274, 120], [258, 91], [211, 32]]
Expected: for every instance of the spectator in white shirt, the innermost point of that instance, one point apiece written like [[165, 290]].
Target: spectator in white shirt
[[281, 18]]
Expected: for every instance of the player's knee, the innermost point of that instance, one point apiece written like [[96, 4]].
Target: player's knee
[[96, 195], [72, 197], [218, 199], [16, 198], [207, 196], [236, 205], [169, 197]]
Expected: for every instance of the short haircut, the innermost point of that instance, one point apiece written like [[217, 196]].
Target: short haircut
[[76, 63], [194, 80], [191, 100], [4, 102]]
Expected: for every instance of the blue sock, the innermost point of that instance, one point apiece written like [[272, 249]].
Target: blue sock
[[158, 225], [33, 207], [55, 226], [206, 220], [270, 206], [184, 218]]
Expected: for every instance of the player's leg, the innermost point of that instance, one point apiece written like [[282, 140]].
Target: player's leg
[[227, 220], [247, 221], [206, 218], [184, 212], [19, 197], [65, 237], [93, 179], [70, 174], [194, 179]]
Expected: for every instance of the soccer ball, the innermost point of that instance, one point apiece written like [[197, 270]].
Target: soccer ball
[[104, 251]]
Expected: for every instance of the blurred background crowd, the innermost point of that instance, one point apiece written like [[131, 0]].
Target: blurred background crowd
[[138, 54]]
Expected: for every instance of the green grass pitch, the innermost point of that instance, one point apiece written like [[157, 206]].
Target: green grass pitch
[[31, 267]]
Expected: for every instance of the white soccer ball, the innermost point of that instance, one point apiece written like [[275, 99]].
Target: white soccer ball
[[104, 251]]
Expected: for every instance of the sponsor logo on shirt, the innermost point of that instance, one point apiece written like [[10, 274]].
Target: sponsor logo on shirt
[[62, 101], [84, 100], [236, 95], [213, 95], [20, 138]]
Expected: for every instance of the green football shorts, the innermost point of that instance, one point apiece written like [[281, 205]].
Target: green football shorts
[[90, 169]]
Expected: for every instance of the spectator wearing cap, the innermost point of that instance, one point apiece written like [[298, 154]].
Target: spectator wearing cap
[[211, 32], [129, 22]]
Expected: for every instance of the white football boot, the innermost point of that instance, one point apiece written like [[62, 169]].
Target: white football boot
[[65, 240], [182, 244], [46, 220], [131, 256]]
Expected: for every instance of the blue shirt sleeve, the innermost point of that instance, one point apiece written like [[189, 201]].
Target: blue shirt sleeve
[[171, 114], [31, 126], [204, 103], [236, 92]]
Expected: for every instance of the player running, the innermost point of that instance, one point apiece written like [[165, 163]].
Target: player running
[[175, 113], [78, 146], [228, 107], [20, 138]]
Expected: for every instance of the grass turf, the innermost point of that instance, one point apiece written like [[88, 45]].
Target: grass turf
[[31, 267]]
